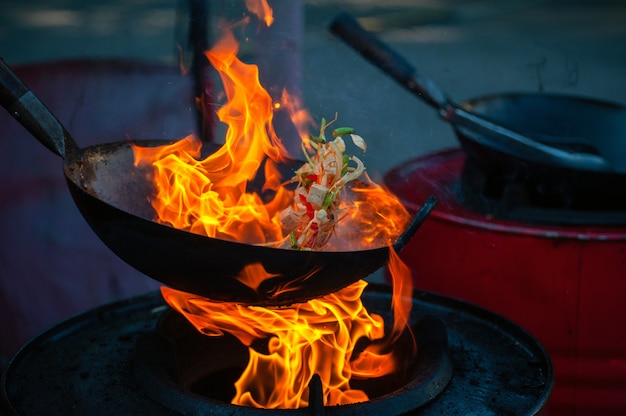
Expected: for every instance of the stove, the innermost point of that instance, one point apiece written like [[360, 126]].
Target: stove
[[121, 358]]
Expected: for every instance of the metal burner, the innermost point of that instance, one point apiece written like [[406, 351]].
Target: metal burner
[[86, 365], [177, 359]]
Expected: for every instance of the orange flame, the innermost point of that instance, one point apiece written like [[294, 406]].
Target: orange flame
[[373, 216], [299, 116], [262, 10], [316, 337], [210, 196], [253, 275]]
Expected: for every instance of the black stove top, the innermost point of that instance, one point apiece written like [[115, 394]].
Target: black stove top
[[87, 364]]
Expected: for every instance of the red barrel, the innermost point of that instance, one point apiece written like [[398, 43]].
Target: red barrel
[[565, 284]]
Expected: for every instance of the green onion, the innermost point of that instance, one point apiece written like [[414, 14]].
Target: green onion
[[344, 168], [328, 199], [293, 240], [342, 131]]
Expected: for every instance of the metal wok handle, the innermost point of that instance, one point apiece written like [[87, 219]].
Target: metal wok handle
[[493, 135], [388, 60], [31, 113], [415, 223]]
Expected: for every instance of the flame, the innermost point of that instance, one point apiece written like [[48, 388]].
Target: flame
[[262, 10], [373, 216], [253, 275], [209, 196], [316, 337], [212, 195], [299, 116]]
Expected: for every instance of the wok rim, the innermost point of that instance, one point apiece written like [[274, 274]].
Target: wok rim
[[549, 95], [77, 154], [469, 139]]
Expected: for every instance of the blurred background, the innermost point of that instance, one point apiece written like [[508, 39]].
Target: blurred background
[[109, 70], [471, 48]]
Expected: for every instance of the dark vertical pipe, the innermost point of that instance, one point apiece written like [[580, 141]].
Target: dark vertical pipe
[[279, 57], [198, 42]]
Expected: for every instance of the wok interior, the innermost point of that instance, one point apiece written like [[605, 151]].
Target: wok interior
[[107, 172], [569, 121], [114, 197]]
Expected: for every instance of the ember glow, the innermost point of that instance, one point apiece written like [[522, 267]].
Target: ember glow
[[316, 337], [209, 195]]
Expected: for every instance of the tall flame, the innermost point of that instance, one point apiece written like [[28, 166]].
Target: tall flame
[[210, 195], [316, 337]]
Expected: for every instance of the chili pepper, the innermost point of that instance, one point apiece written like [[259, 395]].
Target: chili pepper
[[310, 212]]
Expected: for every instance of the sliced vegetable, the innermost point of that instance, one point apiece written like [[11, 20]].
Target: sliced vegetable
[[358, 141], [342, 131], [312, 218], [317, 195], [293, 240]]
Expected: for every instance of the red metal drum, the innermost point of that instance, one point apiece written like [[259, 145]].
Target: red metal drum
[[565, 284]]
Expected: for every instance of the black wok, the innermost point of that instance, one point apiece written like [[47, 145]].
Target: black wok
[[113, 196], [568, 133], [546, 185]]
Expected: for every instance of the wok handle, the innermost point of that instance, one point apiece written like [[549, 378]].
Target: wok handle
[[388, 60], [415, 223], [489, 134], [31, 113]]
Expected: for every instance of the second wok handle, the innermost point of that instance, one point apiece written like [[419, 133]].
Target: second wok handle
[[31, 113], [415, 223], [489, 134], [388, 60]]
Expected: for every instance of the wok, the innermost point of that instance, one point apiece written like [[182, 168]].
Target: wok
[[549, 187], [113, 196], [547, 133]]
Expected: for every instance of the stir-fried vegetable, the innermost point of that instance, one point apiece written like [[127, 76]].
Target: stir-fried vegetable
[[313, 216]]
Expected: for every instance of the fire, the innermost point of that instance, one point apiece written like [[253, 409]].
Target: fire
[[211, 195], [261, 9], [300, 117], [316, 337], [373, 217]]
